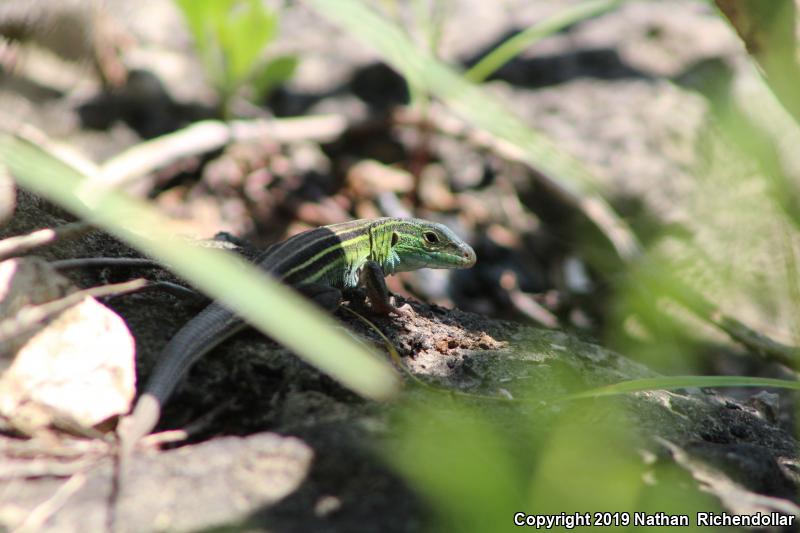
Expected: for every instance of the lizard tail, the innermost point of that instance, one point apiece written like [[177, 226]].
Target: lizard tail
[[202, 334]]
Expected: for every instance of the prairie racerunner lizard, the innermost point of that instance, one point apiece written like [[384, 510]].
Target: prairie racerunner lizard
[[320, 263]]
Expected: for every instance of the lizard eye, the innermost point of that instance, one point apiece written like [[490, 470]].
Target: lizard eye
[[395, 238], [431, 237]]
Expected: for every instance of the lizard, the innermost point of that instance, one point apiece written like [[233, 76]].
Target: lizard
[[320, 263]]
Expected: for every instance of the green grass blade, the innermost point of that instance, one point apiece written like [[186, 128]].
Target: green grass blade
[[681, 382], [266, 304], [514, 45], [482, 110]]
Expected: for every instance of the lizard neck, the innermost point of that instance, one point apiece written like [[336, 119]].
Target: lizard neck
[[381, 245]]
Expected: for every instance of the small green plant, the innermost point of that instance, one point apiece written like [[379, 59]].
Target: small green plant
[[231, 36], [515, 45]]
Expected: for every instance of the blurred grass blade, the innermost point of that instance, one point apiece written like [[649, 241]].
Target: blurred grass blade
[[768, 30], [561, 172], [579, 457], [514, 45], [682, 382], [461, 461], [263, 302]]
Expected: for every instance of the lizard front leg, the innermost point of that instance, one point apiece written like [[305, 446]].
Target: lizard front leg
[[372, 277]]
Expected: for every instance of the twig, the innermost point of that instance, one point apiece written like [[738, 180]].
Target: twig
[[210, 135], [8, 195], [28, 317], [21, 244], [35, 448], [36, 519], [734, 328], [176, 290], [122, 465], [524, 303], [194, 427], [66, 153], [529, 307], [43, 468], [166, 437], [89, 262], [757, 342]]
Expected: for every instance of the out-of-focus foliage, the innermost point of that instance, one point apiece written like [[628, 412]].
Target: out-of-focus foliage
[[231, 36], [737, 249], [480, 465]]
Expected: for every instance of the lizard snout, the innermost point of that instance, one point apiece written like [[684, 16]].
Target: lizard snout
[[469, 256]]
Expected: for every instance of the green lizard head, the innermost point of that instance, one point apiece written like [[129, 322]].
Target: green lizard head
[[417, 243]]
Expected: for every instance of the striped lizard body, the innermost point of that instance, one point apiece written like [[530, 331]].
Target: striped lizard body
[[319, 263]]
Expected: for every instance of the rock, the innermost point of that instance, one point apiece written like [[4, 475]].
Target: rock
[[370, 178], [186, 489], [77, 365]]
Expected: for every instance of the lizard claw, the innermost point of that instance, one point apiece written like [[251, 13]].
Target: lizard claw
[[386, 308], [404, 310]]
